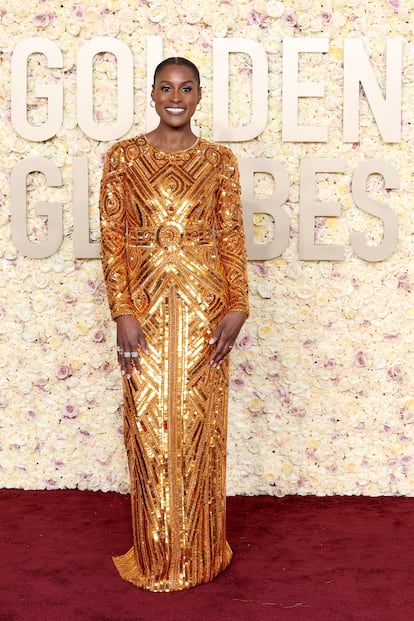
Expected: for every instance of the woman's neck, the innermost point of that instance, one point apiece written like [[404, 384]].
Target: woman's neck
[[171, 140]]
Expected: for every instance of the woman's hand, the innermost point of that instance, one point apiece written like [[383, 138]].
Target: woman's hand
[[225, 335], [129, 338]]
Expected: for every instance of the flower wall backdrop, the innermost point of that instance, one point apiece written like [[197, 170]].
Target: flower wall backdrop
[[322, 375]]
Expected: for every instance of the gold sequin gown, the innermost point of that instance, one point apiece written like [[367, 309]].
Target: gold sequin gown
[[173, 252]]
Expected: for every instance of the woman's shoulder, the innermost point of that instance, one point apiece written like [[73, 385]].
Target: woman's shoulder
[[123, 146], [119, 153], [224, 154]]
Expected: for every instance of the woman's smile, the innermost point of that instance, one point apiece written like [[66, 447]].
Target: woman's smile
[[175, 110]]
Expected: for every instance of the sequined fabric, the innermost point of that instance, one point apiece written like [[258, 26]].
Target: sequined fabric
[[173, 256]]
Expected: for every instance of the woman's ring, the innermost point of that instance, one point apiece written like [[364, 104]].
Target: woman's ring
[[127, 354], [134, 354]]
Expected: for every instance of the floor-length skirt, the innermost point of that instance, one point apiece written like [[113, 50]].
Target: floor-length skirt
[[175, 417]]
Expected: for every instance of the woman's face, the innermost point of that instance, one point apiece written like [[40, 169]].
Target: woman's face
[[176, 94]]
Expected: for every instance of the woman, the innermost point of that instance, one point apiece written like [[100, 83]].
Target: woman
[[175, 268]]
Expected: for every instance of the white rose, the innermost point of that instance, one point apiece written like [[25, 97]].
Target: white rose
[[274, 8], [156, 14]]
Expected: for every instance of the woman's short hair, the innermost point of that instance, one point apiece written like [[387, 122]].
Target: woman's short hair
[[178, 60]]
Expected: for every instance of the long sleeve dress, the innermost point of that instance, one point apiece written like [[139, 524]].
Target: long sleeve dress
[[173, 253]]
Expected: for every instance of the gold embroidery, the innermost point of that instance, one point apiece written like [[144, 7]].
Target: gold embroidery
[[173, 255]]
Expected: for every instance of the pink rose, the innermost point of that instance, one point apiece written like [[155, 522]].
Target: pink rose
[[77, 11], [395, 5], [326, 17], [99, 336], [261, 269], [69, 299], [296, 411], [41, 19], [69, 411], [254, 18], [283, 394], [206, 45], [360, 359], [396, 374], [403, 281], [237, 383], [51, 484], [244, 342], [91, 285], [290, 19], [63, 371]]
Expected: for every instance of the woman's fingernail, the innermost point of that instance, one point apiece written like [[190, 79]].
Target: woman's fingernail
[[128, 377], [211, 341], [122, 371]]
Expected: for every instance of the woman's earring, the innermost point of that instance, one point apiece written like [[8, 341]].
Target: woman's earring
[[152, 103]]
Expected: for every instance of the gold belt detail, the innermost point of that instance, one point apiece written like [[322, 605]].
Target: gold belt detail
[[169, 236]]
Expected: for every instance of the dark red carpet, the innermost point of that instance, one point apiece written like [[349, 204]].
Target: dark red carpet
[[295, 558]]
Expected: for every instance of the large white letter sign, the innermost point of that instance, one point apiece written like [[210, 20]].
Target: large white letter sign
[[53, 211], [273, 206], [292, 89], [83, 248], [310, 208], [125, 89], [375, 208], [386, 111], [52, 92], [222, 132]]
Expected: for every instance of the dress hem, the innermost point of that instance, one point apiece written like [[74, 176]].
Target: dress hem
[[128, 570]]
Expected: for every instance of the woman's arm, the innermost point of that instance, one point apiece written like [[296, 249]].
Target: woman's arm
[[112, 211], [231, 244], [112, 207]]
